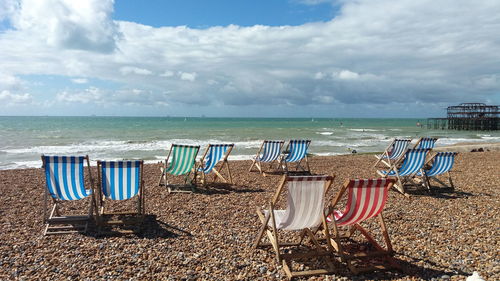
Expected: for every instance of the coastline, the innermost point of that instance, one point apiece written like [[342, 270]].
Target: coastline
[[208, 235]]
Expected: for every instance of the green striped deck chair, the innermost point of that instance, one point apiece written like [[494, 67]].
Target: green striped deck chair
[[182, 163]]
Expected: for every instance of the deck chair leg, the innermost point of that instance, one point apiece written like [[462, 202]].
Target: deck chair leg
[[451, 181], [385, 233], [263, 228], [229, 173]]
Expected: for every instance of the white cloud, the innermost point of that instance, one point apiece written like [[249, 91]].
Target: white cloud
[[167, 73], [90, 95], [82, 25], [8, 98], [187, 76], [347, 75], [134, 70], [80, 80]]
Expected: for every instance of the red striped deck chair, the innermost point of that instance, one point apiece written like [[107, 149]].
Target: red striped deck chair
[[305, 211], [366, 199]]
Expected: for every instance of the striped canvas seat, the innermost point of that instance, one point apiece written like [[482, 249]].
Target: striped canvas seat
[[426, 143], [414, 161], [120, 180], [214, 154], [269, 152], [297, 151], [442, 163], [64, 178], [304, 211], [306, 200], [183, 159], [393, 152], [366, 198], [182, 162]]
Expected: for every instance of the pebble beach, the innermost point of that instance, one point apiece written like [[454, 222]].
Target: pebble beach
[[207, 235]]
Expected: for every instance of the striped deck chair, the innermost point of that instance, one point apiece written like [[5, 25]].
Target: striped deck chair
[[271, 150], [121, 180], [64, 178], [413, 163], [182, 163], [442, 163], [305, 211], [214, 154], [393, 152], [425, 143], [296, 152], [366, 199]]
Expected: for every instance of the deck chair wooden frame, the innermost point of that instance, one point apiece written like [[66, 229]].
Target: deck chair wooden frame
[[258, 160], [189, 181], [271, 231], [132, 217], [406, 168], [397, 146], [217, 170], [284, 162], [353, 216], [438, 168], [55, 221]]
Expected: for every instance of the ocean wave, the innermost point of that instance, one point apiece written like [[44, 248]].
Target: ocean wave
[[325, 133], [365, 130]]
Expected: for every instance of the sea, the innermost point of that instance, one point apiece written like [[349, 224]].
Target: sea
[[24, 139]]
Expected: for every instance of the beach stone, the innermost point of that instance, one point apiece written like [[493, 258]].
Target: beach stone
[[263, 269]]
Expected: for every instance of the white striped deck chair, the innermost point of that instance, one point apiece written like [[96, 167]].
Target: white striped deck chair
[[413, 163], [64, 178], [121, 180], [393, 152], [366, 199], [426, 143], [271, 151], [214, 154], [442, 162], [305, 211], [296, 151], [183, 160]]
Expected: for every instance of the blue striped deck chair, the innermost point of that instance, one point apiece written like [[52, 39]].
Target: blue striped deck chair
[[413, 163], [295, 152], [121, 180], [214, 154], [271, 151], [442, 162], [393, 152], [183, 160], [426, 143], [65, 181]]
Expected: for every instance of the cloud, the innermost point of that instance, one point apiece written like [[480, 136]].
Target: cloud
[[134, 70], [67, 24], [380, 53], [104, 98], [80, 80], [8, 98], [187, 76]]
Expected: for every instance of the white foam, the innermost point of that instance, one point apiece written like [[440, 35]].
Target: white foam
[[365, 130]]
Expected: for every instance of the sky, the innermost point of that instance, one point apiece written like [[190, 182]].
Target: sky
[[248, 58]]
